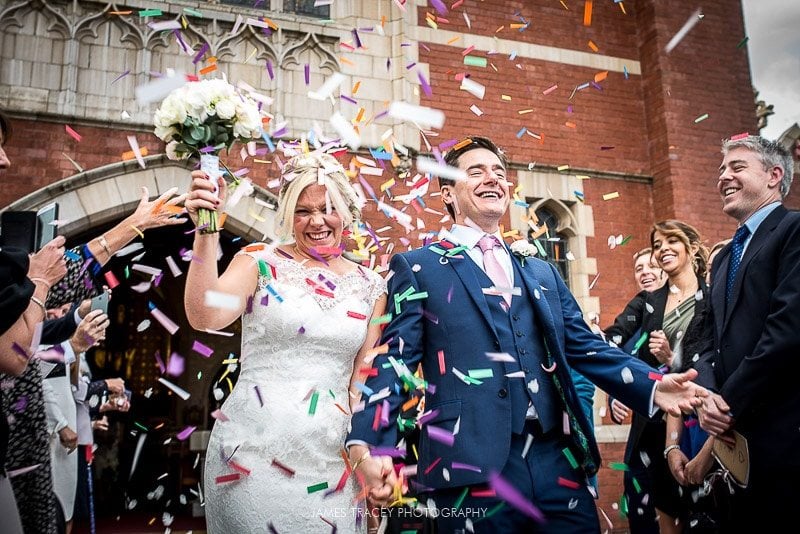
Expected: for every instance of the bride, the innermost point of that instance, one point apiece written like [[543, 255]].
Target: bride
[[274, 458]]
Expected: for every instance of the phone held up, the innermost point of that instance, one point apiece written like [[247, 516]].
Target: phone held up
[[100, 302], [29, 230]]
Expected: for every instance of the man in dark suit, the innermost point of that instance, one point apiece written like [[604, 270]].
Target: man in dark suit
[[504, 445], [755, 360]]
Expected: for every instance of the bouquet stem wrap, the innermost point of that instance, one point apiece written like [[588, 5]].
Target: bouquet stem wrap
[[208, 220]]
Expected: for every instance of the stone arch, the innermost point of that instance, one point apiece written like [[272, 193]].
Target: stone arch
[[110, 192], [567, 223]]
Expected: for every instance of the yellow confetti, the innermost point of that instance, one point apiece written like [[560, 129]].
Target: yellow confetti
[[524, 111], [505, 97], [562, 168], [453, 40], [610, 196], [498, 30], [256, 216]]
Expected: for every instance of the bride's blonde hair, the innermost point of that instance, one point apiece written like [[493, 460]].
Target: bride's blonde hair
[[314, 168]]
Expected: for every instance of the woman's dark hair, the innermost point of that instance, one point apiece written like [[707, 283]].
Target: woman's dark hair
[[5, 127], [689, 236]]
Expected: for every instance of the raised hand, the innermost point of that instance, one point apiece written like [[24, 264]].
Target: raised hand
[[659, 347], [49, 264], [90, 331], [201, 194], [677, 394], [158, 212]]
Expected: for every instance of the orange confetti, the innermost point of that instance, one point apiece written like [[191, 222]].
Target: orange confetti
[[593, 46], [345, 60], [453, 40], [516, 25], [498, 30], [600, 76], [131, 155], [206, 70], [270, 24], [221, 221], [356, 86], [569, 124], [587, 13], [462, 144], [120, 12]]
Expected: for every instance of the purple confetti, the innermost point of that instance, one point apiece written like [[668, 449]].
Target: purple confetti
[[201, 53], [185, 433], [356, 39], [269, 70], [426, 87], [201, 349], [428, 416], [249, 307], [118, 78], [160, 362], [307, 71], [265, 300], [439, 6], [441, 435], [509, 494], [465, 467], [258, 394], [351, 100], [175, 365]]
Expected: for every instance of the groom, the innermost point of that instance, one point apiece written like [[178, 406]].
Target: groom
[[496, 337]]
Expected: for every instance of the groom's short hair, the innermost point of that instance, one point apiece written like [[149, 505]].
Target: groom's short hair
[[462, 147]]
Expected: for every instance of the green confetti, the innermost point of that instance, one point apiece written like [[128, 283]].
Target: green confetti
[[743, 42], [382, 319], [640, 342], [618, 466], [418, 296], [312, 408], [263, 269], [623, 506], [540, 248], [150, 13], [141, 426], [460, 500], [475, 61], [330, 392], [570, 457], [480, 373], [194, 12], [636, 485], [127, 272], [625, 241], [317, 487], [494, 510]]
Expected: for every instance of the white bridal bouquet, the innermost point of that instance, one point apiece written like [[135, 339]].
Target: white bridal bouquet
[[201, 119]]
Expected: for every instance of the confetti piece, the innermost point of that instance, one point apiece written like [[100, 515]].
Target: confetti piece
[[159, 88], [701, 118], [185, 433], [219, 416], [75, 135], [743, 42], [428, 165], [224, 301], [441, 435], [513, 497], [611, 196], [182, 393], [165, 321], [356, 315], [694, 18], [627, 375], [442, 368], [587, 13], [317, 487], [144, 325], [476, 110], [593, 46], [150, 13], [742, 135], [288, 471], [326, 89], [175, 365], [345, 130], [475, 61], [202, 349], [472, 87], [136, 151], [424, 117], [600, 76], [571, 484], [222, 479]]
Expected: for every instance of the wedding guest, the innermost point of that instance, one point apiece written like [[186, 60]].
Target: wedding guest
[[752, 362], [671, 318]]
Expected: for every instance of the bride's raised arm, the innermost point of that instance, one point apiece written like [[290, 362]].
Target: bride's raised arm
[[239, 279]]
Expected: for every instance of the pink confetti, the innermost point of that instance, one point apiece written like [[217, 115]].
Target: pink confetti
[[175, 365], [219, 416], [75, 135], [160, 362]]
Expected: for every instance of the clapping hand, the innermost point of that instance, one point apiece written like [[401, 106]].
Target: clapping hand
[[158, 212], [619, 412], [659, 347]]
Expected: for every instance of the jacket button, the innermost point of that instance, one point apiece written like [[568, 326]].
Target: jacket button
[[503, 393], [526, 370], [519, 334], [523, 351], [515, 317]]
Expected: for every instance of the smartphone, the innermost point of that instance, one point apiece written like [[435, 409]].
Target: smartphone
[[100, 302], [18, 230], [46, 217]]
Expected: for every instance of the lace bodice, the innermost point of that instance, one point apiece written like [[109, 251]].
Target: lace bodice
[[300, 337]]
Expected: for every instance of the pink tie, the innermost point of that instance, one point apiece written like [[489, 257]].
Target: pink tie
[[492, 267]]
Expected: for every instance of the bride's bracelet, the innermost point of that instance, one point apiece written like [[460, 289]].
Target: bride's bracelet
[[360, 461]]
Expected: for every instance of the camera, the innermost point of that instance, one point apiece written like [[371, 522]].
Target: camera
[[28, 230]]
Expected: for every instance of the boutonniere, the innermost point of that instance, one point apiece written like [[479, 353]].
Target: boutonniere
[[522, 249]]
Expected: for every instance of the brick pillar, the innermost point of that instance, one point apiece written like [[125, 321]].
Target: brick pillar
[[704, 74]]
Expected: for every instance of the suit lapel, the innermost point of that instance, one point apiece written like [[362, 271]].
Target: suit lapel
[[718, 286], [468, 277], [759, 238]]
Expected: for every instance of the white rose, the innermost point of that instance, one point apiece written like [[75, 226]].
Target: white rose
[[165, 133], [172, 152], [226, 109]]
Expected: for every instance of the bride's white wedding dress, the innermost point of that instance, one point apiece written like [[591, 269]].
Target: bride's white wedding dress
[[298, 349]]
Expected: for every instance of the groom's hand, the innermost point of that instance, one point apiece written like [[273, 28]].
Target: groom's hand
[[677, 394]]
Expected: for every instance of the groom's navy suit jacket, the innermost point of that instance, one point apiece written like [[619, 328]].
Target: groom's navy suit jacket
[[543, 331]]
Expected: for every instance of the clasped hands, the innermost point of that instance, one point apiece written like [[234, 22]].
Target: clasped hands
[[376, 474]]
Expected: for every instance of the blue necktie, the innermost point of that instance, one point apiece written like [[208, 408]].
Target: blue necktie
[[737, 247]]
